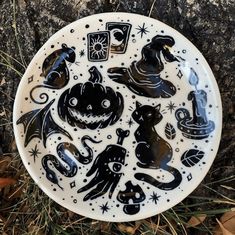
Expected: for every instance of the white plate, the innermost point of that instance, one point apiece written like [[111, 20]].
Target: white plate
[[118, 117]]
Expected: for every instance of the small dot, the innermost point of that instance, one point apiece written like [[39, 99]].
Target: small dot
[[117, 205], [75, 201], [52, 46], [134, 169], [168, 200], [87, 26], [28, 163], [83, 38], [59, 138], [54, 189], [71, 30], [109, 137], [100, 20], [162, 31]]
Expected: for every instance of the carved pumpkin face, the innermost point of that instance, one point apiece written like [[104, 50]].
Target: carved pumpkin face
[[91, 105]]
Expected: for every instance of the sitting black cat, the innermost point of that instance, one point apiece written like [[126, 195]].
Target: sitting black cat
[[152, 151]]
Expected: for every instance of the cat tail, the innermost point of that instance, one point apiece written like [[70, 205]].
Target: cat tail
[[161, 185]]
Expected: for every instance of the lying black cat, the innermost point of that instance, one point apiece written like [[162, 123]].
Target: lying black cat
[[152, 151]]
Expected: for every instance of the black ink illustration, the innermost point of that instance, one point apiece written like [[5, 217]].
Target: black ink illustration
[[191, 157], [131, 197], [119, 33], [143, 77], [142, 30], [34, 152], [91, 105], [104, 208], [65, 152], [154, 197], [171, 106], [55, 71], [107, 168], [39, 123], [170, 131], [189, 177], [98, 46], [152, 151], [196, 126]]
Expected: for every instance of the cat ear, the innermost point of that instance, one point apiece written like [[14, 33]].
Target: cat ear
[[138, 104], [158, 107]]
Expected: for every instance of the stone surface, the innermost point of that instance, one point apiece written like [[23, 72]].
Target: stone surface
[[209, 24]]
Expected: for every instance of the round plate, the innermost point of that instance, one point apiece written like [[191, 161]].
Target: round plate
[[118, 117]]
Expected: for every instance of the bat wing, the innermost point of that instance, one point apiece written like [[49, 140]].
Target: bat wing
[[40, 124]]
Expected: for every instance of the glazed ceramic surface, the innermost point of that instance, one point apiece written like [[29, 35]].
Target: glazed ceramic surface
[[118, 117]]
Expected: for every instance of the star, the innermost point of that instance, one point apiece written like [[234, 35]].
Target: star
[[189, 177], [179, 74], [130, 122], [142, 30], [82, 53], [104, 207], [72, 184], [34, 152], [171, 106], [30, 79], [154, 197]]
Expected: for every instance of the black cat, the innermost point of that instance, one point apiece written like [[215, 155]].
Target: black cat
[[152, 151]]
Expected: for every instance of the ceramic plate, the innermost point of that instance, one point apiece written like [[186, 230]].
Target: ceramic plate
[[118, 117]]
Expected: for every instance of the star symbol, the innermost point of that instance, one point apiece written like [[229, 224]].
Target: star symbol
[[130, 123], [30, 79], [82, 53], [154, 197], [72, 184], [34, 152], [189, 177], [179, 74], [171, 106], [142, 30], [104, 207]]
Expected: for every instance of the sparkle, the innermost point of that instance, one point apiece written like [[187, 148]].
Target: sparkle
[[77, 63], [171, 106], [130, 123], [34, 152], [179, 74], [104, 207], [82, 53], [142, 30], [30, 79], [154, 197], [189, 177], [72, 184]]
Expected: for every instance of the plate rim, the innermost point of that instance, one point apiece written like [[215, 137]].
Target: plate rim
[[142, 214]]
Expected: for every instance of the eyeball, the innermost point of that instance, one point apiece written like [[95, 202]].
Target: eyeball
[[149, 114], [73, 101], [105, 103], [115, 167]]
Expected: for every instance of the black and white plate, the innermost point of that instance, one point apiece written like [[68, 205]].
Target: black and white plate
[[118, 117]]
